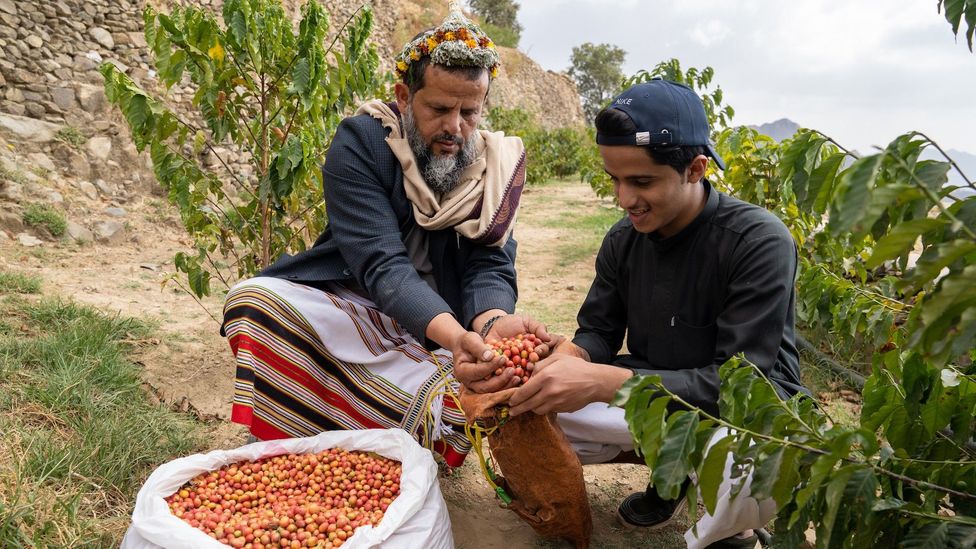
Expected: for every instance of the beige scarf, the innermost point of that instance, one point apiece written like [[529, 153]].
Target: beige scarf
[[483, 206]]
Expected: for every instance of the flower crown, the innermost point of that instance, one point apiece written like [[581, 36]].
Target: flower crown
[[455, 42]]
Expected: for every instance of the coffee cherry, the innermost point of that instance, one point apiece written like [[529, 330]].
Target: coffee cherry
[[520, 355]]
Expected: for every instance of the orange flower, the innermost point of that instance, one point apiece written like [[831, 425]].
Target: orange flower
[[471, 43]]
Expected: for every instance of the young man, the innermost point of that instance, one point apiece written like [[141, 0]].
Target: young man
[[690, 277], [417, 256]]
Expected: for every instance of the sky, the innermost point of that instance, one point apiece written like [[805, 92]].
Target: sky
[[861, 71]]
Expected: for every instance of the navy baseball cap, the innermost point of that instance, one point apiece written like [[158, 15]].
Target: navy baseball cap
[[667, 114]]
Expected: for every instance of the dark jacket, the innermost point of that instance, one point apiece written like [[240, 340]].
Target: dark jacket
[[363, 243], [723, 285]]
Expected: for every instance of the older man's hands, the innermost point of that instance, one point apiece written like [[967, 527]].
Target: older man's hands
[[474, 360], [513, 325], [566, 381]]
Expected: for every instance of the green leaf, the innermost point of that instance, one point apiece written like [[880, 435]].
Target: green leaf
[[879, 400], [955, 289], [854, 194], [137, 111], [632, 385], [834, 500], [953, 12], [767, 471], [237, 25], [902, 239], [930, 536], [937, 412], [199, 141], [932, 174], [971, 23], [167, 23], [788, 476], [935, 258], [887, 504], [712, 472], [860, 492], [903, 431], [821, 184], [652, 429], [918, 378], [820, 471], [301, 77], [674, 465]]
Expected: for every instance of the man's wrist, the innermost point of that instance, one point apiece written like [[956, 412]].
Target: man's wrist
[[479, 322], [444, 330], [488, 325], [613, 379]]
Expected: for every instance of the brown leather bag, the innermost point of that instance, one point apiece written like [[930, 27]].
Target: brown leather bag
[[540, 470]]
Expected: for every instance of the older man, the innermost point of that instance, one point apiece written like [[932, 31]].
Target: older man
[[415, 267]]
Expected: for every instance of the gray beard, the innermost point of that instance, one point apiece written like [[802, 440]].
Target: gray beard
[[441, 172]]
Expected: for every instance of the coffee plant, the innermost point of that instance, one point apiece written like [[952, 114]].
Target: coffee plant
[[549, 153], [261, 91]]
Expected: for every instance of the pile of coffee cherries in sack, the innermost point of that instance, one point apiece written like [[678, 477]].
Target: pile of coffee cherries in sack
[[290, 500]]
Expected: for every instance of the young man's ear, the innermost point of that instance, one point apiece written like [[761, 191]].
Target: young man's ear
[[696, 170]]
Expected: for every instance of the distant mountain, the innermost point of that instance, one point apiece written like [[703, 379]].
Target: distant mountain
[[966, 162], [784, 128]]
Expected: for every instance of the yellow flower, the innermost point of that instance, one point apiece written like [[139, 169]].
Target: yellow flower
[[414, 54], [471, 43], [217, 53], [494, 71], [401, 66], [431, 43], [449, 35]]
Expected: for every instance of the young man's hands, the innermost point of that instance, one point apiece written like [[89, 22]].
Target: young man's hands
[[565, 382]]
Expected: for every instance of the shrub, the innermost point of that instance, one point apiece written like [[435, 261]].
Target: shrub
[[72, 136], [549, 153], [47, 217]]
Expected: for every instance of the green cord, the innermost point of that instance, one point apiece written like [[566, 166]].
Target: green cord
[[502, 495]]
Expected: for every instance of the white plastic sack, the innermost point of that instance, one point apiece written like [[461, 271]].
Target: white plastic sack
[[416, 518]]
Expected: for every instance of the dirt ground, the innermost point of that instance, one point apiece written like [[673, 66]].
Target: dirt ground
[[190, 365]]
